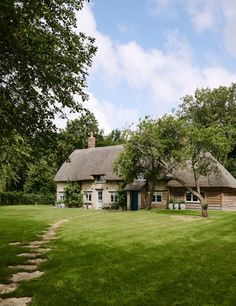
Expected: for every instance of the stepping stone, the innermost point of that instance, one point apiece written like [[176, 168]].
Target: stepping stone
[[23, 276], [29, 255], [37, 261], [15, 243], [4, 288], [42, 250], [23, 301], [24, 267], [38, 242]]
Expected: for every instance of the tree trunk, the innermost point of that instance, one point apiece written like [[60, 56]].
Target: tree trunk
[[205, 212], [197, 193]]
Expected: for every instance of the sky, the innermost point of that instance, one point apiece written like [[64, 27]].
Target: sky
[[153, 52]]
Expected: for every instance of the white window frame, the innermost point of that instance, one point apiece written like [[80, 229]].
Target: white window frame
[[100, 179], [194, 199], [113, 197], [100, 196], [88, 196], [155, 196], [62, 195]]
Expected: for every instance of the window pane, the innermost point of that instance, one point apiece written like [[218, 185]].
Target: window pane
[[154, 198], [159, 197], [195, 199], [100, 195], [188, 197]]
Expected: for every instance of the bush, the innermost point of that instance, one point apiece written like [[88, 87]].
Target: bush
[[18, 198], [74, 198], [121, 199]]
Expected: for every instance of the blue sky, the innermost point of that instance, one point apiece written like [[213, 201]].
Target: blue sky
[[153, 52]]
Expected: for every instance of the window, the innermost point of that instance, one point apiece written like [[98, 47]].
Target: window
[[100, 196], [88, 197], [157, 197], [113, 197], [62, 195], [140, 177], [192, 198], [100, 179]]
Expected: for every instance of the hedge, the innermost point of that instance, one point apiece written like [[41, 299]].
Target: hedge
[[18, 198]]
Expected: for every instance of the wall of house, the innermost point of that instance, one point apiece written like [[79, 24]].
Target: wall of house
[[106, 188], [213, 196], [229, 199], [91, 186]]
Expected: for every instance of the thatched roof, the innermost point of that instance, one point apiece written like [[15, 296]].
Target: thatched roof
[[220, 178], [85, 163]]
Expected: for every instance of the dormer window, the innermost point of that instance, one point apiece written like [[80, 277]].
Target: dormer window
[[140, 177], [100, 179]]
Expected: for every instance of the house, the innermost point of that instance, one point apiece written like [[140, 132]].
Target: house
[[93, 167]]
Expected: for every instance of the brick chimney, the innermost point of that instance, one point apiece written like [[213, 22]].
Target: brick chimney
[[91, 141]]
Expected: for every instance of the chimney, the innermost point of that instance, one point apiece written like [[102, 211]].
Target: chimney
[[91, 141]]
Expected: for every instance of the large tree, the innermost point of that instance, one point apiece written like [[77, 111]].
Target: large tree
[[214, 108], [160, 147], [44, 63], [144, 151]]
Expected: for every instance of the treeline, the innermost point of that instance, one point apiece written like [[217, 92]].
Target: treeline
[[29, 164], [29, 161]]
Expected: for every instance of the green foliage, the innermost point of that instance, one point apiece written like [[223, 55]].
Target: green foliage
[[214, 109], [75, 135], [156, 146], [14, 153], [40, 177], [20, 198], [74, 198], [121, 198], [44, 63], [116, 137]]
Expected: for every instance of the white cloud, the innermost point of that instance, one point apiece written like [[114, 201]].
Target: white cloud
[[156, 7], [105, 61], [108, 115], [204, 14], [164, 75]]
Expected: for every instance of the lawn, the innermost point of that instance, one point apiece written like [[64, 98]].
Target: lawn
[[125, 258]]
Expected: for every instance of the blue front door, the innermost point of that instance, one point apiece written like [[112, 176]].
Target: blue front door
[[134, 200]]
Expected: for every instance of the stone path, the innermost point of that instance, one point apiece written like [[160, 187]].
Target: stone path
[[30, 270]]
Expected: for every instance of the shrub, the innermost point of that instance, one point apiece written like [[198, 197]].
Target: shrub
[[74, 198], [18, 198]]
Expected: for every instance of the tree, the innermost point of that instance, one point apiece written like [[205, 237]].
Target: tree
[[44, 63], [200, 145], [160, 147], [214, 108], [14, 151], [75, 135], [146, 148], [40, 177], [116, 137]]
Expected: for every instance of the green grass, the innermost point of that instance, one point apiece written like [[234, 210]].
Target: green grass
[[125, 258]]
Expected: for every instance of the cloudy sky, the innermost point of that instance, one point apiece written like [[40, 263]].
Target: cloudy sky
[[153, 52]]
